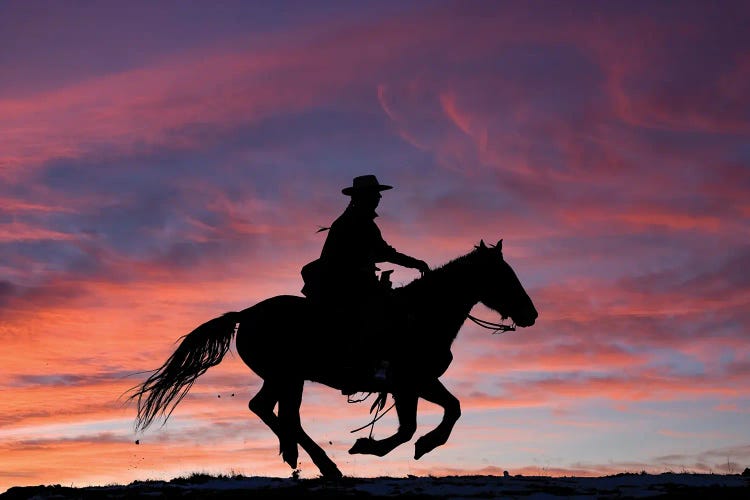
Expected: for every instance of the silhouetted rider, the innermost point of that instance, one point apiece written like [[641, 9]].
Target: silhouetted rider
[[355, 245], [344, 276]]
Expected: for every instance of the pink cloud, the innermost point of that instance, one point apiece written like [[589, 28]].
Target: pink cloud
[[17, 205], [23, 232], [124, 461]]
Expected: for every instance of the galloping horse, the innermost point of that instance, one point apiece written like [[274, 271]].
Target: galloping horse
[[285, 341]]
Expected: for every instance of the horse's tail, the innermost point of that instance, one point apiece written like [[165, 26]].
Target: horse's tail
[[199, 350]]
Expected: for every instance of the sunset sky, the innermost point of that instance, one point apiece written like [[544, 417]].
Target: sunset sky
[[162, 163]]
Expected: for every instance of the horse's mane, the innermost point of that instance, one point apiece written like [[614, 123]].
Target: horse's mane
[[450, 274]]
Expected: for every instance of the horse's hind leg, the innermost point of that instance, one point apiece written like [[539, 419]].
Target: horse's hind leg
[[262, 405], [290, 399]]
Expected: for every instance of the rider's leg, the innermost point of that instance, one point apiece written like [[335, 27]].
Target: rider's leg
[[378, 332]]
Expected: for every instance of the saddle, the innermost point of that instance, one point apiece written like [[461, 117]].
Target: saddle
[[318, 282]]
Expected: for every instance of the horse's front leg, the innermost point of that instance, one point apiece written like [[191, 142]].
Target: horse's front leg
[[406, 407], [435, 392]]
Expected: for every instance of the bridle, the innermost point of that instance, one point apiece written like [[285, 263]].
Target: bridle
[[496, 328]]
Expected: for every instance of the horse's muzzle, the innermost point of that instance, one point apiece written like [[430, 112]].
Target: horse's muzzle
[[526, 321]]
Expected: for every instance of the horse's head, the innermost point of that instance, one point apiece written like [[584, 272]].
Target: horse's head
[[499, 288]]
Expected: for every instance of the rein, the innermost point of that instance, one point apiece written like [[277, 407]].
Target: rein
[[496, 328], [377, 406]]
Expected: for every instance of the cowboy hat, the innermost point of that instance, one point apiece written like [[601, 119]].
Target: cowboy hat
[[364, 183]]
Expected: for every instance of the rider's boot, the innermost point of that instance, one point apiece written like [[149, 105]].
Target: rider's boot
[[382, 373]]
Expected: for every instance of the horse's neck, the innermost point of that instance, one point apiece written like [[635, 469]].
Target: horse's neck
[[444, 298]]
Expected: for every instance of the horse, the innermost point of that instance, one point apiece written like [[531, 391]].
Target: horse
[[285, 342]]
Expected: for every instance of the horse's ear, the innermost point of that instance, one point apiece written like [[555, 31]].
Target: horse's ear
[[499, 245], [482, 246]]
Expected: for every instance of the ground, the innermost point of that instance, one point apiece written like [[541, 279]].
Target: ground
[[459, 487]]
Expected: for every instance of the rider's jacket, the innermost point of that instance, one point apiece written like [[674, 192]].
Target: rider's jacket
[[345, 271], [353, 246]]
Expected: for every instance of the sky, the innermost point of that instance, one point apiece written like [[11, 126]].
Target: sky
[[162, 163]]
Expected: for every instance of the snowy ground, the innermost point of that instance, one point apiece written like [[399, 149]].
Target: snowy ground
[[708, 486]]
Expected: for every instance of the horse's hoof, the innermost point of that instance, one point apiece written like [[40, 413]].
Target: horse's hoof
[[363, 446], [331, 474], [290, 457], [421, 448]]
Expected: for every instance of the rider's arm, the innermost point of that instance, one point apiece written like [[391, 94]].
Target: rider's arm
[[407, 261], [386, 253]]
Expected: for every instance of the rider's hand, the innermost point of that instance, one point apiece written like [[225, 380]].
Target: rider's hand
[[422, 267]]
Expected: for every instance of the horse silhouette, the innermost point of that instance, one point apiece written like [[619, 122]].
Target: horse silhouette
[[285, 341]]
